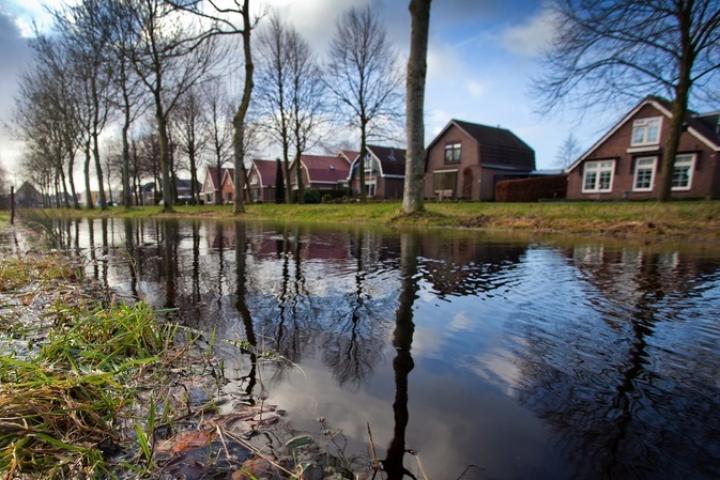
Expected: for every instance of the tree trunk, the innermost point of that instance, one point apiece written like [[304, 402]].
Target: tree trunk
[[165, 162], [127, 193], [361, 161], [193, 173], [239, 119], [95, 145], [679, 107], [414, 107], [86, 170], [299, 179], [286, 175], [71, 179]]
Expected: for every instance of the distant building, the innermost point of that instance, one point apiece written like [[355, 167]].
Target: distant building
[[321, 172], [262, 179], [626, 162], [466, 160], [183, 190], [27, 196], [211, 187], [384, 173], [148, 193]]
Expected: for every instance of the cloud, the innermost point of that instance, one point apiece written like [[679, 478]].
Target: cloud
[[531, 37], [475, 88], [15, 55]]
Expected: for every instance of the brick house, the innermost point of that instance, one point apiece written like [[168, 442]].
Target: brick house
[[227, 185], [261, 180], [466, 160], [212, 184], [384, 173], [625, 162], [321, 172]]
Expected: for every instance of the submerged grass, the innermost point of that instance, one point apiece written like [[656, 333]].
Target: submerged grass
[[59, 407], [18, 271]]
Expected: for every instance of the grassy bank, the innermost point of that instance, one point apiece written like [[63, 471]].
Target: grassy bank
[[95, 387], [687, 219]]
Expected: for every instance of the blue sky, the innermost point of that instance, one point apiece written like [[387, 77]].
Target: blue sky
[[482, 57]]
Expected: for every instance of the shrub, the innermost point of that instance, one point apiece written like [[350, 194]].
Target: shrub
[[311, 196]]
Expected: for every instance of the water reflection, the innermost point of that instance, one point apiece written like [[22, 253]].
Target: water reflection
[[525, 360]]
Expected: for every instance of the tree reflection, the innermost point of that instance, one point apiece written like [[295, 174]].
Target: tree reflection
[[354, 340], [131, 252], [403, 361], [603, 386], [242, 307]]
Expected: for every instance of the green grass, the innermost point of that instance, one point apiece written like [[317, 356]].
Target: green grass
[[683, 218], [58, 406]]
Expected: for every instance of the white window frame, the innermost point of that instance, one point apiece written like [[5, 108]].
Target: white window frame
[[690, 173], [644, 123], [652, 175], [452, 147], [595, 165]]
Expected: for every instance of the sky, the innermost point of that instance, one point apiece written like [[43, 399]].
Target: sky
[[483, 55]]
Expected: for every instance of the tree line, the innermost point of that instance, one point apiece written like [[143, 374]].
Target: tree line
[[166, 72], [163, 72]]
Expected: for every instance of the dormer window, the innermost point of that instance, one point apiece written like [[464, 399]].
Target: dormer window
[[452, 153], [646, 131]]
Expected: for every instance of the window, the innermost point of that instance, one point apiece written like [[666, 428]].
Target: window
[[683, 172], [370, 189], [644, 174], [646, 131], [445, 181], [452, 153], [598, 176]]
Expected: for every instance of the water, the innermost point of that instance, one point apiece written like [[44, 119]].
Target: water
[[491, 358]]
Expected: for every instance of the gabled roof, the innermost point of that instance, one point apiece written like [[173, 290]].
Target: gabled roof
[[215, 175], [696, 126], [350, 155], [485, 135], [27, 188], [325, 168], [228, 172], [267, 172], [392, 160]]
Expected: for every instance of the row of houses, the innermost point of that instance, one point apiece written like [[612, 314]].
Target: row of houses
[[467, 161]]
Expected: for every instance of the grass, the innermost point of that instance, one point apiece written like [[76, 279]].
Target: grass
[[61, 403], [17, 272], [681, 218]]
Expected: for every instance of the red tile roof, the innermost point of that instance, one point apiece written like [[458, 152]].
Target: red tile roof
[[324, 168]]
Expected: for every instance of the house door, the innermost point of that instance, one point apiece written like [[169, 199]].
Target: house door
[[467, 184]]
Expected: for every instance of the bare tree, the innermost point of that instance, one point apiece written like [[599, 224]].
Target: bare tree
[[219, 129], [568, 152], [190, 130], [86, 37], [170, 58], [123, 34], [46, 110], [363, 76], [307, 100], [607, 52], [272, 100], [231, 20], [414, 106]]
